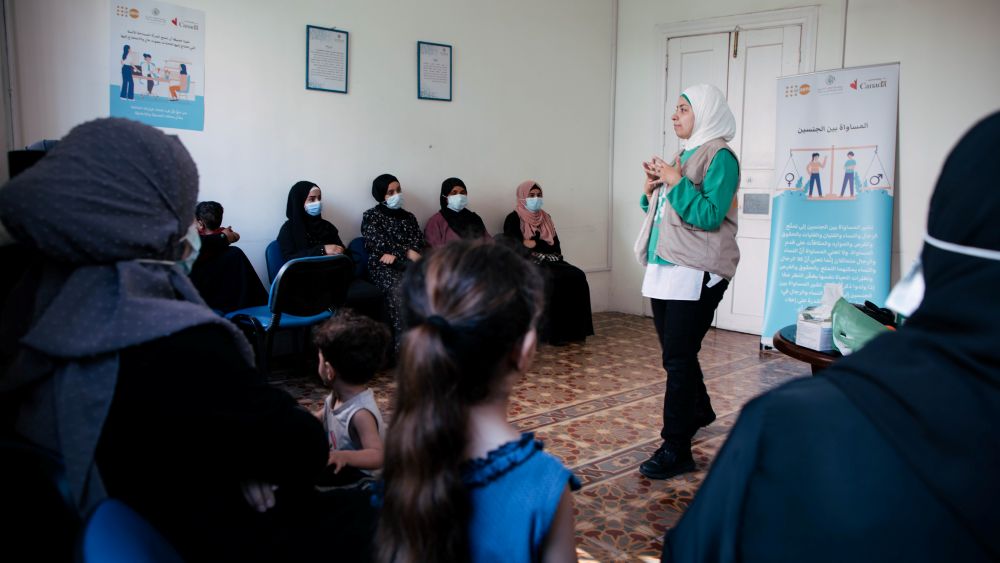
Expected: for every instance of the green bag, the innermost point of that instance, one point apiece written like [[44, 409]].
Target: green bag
[[852, 328]]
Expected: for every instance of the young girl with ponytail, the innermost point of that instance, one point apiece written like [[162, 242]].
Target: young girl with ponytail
[[461, 484]]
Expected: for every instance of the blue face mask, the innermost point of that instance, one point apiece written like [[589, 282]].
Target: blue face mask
[[457, 202], [534, 204], [194, 240], [314, 208], [394, 201]]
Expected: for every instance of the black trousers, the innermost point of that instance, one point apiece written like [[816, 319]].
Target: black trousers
[[681, 326]]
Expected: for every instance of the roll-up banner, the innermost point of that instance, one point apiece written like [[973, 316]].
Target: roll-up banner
[[835, 164]]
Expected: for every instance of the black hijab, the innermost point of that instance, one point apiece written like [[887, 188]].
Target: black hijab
[[932, 389], [466, 223], [126, 194], [307, 230], [380, 187]]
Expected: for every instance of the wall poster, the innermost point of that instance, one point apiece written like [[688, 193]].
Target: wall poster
[[157, 64]]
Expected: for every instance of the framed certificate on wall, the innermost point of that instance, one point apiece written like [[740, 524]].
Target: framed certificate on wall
[[433, 71], [326, 59]]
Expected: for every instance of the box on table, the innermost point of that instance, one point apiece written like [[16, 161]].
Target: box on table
[[815, 335]]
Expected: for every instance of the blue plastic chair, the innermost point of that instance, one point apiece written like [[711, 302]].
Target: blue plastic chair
[[305, 291], [356, 249], [115, 533], [273, 259]]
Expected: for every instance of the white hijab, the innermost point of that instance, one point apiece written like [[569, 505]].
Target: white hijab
[[712, 117]]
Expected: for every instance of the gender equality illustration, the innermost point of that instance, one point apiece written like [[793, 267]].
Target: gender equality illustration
[[849, 168]]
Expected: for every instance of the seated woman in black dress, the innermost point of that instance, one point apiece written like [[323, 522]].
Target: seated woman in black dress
[[567, 294], [454, 221], [306, 233], [393, 241]]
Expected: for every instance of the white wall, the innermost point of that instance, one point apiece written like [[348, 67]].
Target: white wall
[[532, 99], [948, 81]]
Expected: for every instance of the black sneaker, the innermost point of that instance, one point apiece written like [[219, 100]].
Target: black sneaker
[[666, 463]]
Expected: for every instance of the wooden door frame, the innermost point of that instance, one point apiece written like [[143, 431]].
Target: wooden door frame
[[807, 17]]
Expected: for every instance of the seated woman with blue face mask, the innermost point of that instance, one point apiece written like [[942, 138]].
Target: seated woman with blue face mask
[[892, 453], [307, 233], [567, 294], [454, 221], [393, 240]]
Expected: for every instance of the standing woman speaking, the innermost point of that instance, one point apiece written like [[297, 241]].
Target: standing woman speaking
[[688, 246]]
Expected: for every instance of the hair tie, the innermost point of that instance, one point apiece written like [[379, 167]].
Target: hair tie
[[439, 322]]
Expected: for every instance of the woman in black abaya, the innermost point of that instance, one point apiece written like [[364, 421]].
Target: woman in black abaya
[[567, 316], [307, 233]]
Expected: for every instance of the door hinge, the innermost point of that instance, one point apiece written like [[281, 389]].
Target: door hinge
[[736, 41]]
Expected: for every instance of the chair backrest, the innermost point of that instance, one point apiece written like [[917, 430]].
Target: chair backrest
[[274, 260], [309, 286], [114, 532], [356, 249]]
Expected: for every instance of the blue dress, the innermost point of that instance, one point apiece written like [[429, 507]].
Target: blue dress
[[515, 492]]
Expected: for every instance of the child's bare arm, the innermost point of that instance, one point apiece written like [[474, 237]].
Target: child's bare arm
[[370, 456], [560, 543]]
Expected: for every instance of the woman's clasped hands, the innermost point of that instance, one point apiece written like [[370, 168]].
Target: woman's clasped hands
[[660, 172]]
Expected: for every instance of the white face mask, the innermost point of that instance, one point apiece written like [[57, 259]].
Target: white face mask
[[314, 208], [457, 202], [908, 292], [394, 201], [534, 204], [194, 239]]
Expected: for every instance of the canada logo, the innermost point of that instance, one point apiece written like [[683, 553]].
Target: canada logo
[[854, 84], [174, 21]]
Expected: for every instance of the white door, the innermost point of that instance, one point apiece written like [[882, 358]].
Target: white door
[[752, 60], [699, 59], [761, 56]]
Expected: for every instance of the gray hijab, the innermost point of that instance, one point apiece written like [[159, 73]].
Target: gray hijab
[[107, 209]]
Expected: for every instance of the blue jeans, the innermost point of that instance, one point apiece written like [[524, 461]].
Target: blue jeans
[[848, 179], [814, 178], [128, 84]]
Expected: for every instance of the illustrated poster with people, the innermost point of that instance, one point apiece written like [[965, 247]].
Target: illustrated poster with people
[[157, 70], [835, 171]]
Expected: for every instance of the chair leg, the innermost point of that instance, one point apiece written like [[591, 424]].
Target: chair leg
[[269, 344], [266, 355], [256, 335], [299, 347]]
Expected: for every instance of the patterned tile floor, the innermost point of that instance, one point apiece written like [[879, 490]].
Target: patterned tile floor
[[597, 406]]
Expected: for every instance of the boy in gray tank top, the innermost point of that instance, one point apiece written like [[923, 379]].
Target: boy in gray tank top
[[351, 349]]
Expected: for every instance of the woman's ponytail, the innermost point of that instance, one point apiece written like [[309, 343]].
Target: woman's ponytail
[[423, 454]]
